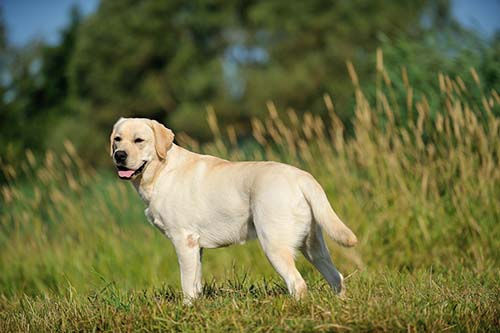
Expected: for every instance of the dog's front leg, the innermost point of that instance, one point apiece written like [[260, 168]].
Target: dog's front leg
[[189, 255]]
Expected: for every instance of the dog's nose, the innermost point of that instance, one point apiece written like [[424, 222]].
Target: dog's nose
[[120, 156]]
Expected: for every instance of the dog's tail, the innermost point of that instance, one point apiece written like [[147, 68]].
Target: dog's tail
[[324, 214]]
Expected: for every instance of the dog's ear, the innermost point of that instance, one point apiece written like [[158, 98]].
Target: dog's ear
[[164, 138]]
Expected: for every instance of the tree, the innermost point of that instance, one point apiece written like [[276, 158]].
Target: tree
[[310, 41], [34, 92], [150, 59], [169, 59]]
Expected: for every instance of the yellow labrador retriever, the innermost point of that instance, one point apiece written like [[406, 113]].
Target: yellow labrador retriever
[[200, 201]]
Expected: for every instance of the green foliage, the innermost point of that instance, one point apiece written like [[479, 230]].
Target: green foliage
[[309, 42], [409, 159], [131, 61], [149, 60], [77, 254], [168, 60], [20, 110], [430, 63], [35, 94], [459, 301]]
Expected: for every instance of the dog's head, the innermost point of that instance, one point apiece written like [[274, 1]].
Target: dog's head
[[136, 142]]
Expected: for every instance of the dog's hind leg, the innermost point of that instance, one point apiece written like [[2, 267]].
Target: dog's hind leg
[[281, 254], [316, 251], [283, 262]]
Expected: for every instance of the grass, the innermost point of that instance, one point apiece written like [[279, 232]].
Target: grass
[[419, 187], [418, 301]]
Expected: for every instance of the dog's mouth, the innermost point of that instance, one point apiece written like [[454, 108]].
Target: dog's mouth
[[126, 173]]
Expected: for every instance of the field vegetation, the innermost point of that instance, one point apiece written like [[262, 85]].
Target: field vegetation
[[419, 185]]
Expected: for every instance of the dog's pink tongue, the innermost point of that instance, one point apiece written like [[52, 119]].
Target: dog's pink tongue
[[125, 173]]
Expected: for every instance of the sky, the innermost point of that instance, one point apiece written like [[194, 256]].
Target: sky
[[27, 20], [31, 19], [481, 15]]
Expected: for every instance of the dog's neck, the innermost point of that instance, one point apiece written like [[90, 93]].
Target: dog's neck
[[145, 183]]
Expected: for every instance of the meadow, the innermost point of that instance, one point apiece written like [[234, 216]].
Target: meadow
[[419, 185]]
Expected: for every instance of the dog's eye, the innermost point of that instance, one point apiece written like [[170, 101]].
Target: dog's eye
[[118, 139], [138, 140]]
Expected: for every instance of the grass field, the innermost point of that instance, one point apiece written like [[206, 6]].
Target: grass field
[[419, 187]]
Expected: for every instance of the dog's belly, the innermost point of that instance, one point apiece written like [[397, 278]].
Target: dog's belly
[[225, 232], [218, 227]]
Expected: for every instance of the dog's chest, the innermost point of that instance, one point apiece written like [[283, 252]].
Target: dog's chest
[[154, 218]]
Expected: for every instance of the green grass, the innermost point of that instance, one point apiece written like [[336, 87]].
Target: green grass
[[420, 191], [381, 300]]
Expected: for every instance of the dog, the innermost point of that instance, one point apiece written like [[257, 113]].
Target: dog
[[201, 201]]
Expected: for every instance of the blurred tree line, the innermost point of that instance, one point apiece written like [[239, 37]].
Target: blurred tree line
[[169, 59]]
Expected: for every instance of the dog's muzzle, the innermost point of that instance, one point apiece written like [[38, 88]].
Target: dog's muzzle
[[126, 173]]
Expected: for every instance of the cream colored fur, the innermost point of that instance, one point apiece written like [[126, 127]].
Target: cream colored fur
[[200, 201]]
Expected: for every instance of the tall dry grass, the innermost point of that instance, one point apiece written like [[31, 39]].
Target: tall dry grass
[[419, 186]]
